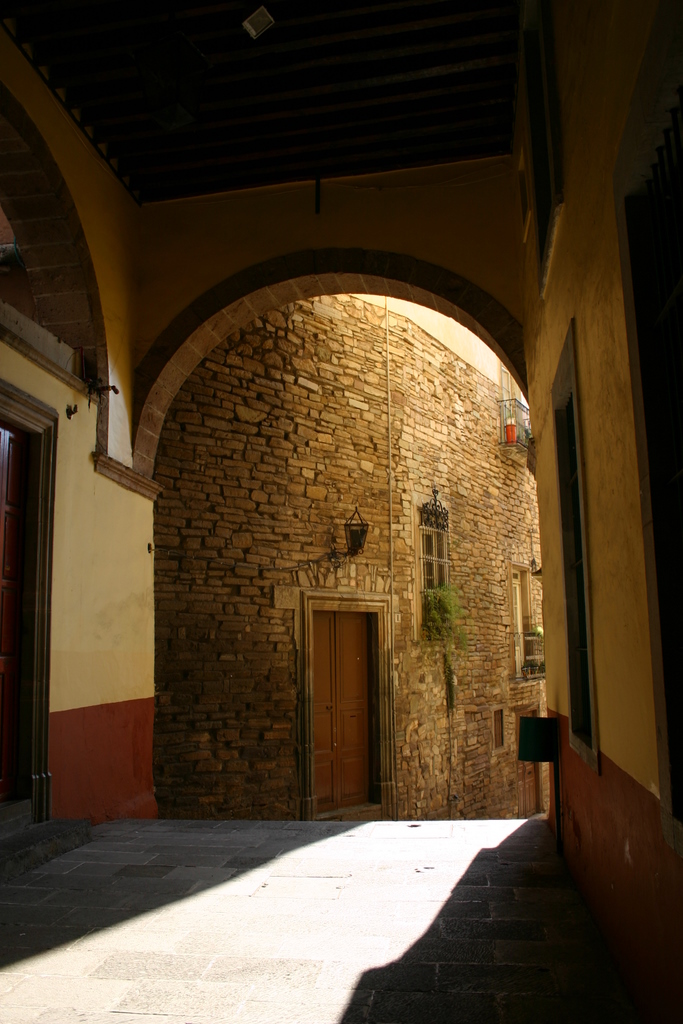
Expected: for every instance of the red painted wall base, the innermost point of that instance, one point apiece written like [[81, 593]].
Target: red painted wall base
[[630, 878], [101, 761]]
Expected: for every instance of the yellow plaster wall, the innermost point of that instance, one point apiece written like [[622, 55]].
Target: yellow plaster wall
[[460, 217], [598, 50], [102, 630], [110, 220]]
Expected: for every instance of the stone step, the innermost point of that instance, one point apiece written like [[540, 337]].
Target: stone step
[[26, 848], [362, 812], [14, 814]]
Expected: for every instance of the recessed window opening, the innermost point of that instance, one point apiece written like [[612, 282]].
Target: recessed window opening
[[570, 484], [434, 545], [498, 729]]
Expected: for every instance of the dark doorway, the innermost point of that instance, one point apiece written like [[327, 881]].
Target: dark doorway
[[527, 780], [13, 461], [341, 733]]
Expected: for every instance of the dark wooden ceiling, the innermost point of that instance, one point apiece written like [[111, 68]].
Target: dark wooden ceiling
[[331, 89]]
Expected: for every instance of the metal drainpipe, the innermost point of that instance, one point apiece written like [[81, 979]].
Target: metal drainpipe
[[391, 565]]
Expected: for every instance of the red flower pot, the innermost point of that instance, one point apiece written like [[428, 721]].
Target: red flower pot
[[510, 432]]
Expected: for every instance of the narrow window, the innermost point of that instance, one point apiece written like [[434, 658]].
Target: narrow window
[[572, 515], [521, 620], [498, 735], [434, 547], [435, 558]]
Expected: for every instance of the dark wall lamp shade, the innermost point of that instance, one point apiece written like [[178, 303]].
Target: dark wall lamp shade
[[539, 741], [356, 532]]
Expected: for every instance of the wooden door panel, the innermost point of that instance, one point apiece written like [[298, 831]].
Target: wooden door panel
[[353, 730], [324, 724], [353, 781], [352, 643], [14, 494], [340, 686], [10, 552], [8, 622], [352, 659], [324, 731], [13, 461], [324, 785], [323, 657]]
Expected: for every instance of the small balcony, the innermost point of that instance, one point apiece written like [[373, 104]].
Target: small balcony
[[529, 654], [515, 428]]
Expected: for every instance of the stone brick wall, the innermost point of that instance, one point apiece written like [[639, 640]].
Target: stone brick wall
[[266, 449]]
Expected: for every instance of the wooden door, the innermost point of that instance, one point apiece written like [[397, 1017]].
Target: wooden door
[[340, 682], [527, 780], [13, 459]]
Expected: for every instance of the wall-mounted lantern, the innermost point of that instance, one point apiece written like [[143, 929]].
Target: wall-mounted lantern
[[356, 530]]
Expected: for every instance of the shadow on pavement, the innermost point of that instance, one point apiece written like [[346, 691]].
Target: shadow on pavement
[[514, 943], [135, 867]]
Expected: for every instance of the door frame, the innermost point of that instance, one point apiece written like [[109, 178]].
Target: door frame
[[39, 421], [379, 605], [533, 710]]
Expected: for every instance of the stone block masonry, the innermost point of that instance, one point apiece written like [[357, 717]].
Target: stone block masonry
[[268, 446]]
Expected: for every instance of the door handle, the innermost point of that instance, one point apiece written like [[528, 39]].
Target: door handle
[[328, 707]]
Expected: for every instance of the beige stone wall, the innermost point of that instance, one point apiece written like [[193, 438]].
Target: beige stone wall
[[267, 448]]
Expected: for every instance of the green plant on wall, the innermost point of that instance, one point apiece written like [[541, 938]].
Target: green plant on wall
[[442, 614]]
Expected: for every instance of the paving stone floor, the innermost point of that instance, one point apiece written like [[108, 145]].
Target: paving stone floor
[[305, 922]]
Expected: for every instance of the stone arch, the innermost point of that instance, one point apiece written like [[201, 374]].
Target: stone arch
[[41, 211], [254, 291]]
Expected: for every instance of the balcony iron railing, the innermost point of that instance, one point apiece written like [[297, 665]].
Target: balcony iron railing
[[515, 425], [529, 654]]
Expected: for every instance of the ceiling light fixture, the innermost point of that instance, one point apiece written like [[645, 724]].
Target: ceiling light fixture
[[257, 23]]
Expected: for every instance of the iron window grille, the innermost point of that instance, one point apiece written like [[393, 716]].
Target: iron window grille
[[435, 559], [529, 652], [515, 424]]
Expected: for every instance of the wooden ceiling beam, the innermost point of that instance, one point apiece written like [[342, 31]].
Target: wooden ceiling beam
[[45, 21], [240, 154], [128, 146], [508, 39], [117, 41], [500, 79], [417, 122], [351, 85]]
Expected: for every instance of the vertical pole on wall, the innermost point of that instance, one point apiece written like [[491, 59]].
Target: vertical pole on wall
[[391, 564]]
